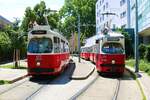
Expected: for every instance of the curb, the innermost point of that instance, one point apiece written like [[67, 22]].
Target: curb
[[82, 78], [17, 79], [139, 83]]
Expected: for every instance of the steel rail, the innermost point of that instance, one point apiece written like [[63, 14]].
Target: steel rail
[[117, 90]]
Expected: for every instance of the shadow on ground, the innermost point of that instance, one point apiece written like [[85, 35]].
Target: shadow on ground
[[61, 79], [126, 75]]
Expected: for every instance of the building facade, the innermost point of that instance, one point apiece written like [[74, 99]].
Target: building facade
[[143, 19], [4, 22], [125, 13], [107, 20]]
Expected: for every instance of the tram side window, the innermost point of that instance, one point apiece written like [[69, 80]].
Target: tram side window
[[62, 46], [66, 47], [56, 45]]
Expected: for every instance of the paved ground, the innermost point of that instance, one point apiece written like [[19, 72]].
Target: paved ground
[[59, 88], [82, 69], [144, 80], [13, 74], [104, 89]]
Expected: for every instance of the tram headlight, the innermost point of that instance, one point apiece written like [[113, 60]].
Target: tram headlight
[[38, 64], [113, 61]]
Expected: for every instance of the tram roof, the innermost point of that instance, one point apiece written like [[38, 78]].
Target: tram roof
[[47, 28], [91, 41]]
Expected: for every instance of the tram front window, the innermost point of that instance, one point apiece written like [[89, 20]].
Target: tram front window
[[40, 45], [112, 48]]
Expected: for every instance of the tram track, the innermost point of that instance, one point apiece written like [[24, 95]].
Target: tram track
[[117, 89], [122, 87], [29, 88], [75, 96], [13, 86], [22, 90], [113, 88], [118, 84], [38, 90]]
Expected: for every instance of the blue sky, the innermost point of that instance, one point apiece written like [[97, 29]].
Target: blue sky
[[15, 8]]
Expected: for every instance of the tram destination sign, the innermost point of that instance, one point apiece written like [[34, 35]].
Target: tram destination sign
[[38, 32], [113, 39]]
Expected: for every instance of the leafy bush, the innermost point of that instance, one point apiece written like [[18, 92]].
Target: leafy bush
[[147, 54], [130, 62], [142, 50], [5, 46], [144, 66]]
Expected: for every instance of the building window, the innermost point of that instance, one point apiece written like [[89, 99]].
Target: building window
[[103, 17], [122, 2], [140, 16], [106, 4], [133, 7], [99, 11], [123, 26], [104, 8], [114, 26], [122, 15], [97, 6], [100, 19]]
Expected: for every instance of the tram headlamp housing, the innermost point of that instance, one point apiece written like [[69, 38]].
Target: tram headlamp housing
[[113, 61], [38, 63]]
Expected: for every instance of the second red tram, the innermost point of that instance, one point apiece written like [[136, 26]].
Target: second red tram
[[48, 51], [106, 51]]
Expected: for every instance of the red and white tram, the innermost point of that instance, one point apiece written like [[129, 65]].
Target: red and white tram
[[48, 51], [106, 51]]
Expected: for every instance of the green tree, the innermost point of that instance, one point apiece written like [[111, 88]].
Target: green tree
[[15, 38], [128, 43], [69, 13], [5, 46], [37, 14]]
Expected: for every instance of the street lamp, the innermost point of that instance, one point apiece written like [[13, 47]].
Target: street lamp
[[136, 38]]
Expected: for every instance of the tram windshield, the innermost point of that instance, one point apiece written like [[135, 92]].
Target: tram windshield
[[40, 45], [112, 48]]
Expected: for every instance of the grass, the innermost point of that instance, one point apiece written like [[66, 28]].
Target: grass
[[143, 65], [2, 82], [12, 67]]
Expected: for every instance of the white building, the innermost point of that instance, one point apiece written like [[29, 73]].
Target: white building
[[125, 13], [120, 7], [107, 6], [143, 19]]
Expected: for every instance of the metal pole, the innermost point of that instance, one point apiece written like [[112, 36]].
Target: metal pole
[[79, 37], [46, 20], [136, 38]]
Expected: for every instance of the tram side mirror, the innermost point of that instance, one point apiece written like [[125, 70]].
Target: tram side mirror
[[97, 41]]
